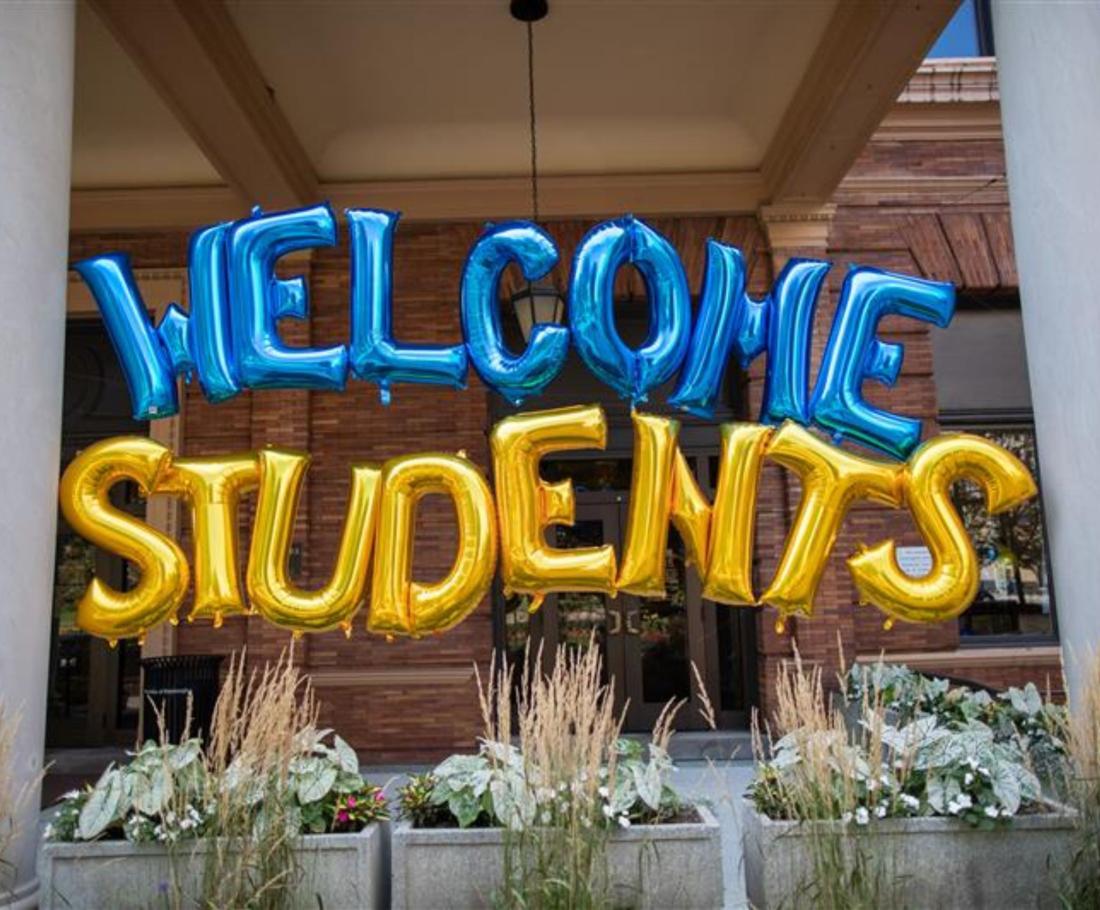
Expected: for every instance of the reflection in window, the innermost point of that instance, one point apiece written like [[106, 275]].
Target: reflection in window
[[1014, 597], [663, 634], [588, 474]]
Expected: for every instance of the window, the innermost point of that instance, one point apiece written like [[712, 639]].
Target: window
[[1014, 598], [982, 385], [968, 34]]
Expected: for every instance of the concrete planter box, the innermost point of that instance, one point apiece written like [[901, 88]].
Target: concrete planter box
[[340, 870], [650, 866], [934, 862]]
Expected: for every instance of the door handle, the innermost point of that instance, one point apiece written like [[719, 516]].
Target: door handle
[[616, 627], [630, 628]]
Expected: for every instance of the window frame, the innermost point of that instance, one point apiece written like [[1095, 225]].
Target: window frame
[[1009, 419]]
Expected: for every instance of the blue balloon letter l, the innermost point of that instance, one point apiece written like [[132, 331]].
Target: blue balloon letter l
[[258, 299]]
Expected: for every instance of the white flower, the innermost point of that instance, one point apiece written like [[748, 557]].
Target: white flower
[[604, 792], [964, 801], [1005, 813], [910, 802], [624, 822], [953, 807], [968, 778], [991, 811], [846, 817], [880, 810], [48, 832], [72, 794], [862, 816], [607, 811]]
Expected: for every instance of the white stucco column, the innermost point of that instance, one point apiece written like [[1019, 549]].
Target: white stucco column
[[36, 107], [1049, 61]]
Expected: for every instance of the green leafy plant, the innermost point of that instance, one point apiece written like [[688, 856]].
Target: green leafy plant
[[1017, 717], [415, 799], [944, 764], [491, 789], [164, 794], [918, 748], [560, 793], [268, 776]]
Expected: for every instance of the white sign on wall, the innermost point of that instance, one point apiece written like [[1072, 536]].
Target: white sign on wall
[[914, 561]]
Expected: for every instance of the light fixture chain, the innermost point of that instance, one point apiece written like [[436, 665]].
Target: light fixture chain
[[531, 106]]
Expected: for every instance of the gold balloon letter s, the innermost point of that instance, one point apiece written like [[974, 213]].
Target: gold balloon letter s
[[85, 503], [951, 585]]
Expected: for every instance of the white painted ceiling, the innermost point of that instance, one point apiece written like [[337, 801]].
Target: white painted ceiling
[[383, 89], [123, 134]]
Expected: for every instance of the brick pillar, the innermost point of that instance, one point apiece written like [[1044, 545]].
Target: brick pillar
[[793, 230]]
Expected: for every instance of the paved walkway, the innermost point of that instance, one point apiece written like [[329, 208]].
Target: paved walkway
[[721, 785]]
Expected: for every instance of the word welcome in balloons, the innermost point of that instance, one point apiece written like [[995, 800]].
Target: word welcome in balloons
[[230, 337], [381, 516]]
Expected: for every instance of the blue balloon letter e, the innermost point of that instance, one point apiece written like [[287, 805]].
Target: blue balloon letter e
[[855, 354]]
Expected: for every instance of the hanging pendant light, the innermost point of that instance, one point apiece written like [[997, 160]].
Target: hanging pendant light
[[537, 301]]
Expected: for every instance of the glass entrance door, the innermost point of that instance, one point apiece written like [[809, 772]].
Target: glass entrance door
[[94, 690], [648, 645]]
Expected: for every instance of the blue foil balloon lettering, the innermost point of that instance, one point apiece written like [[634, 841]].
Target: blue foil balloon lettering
[[257, 299], [210, 338], [375, 356], [729, 323], [791, 306], [855, 354], [515, 377], [602, 252], [144, 357]]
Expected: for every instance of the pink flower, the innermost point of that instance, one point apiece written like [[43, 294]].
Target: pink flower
[[351, 802], [378, 797], [341, 816]]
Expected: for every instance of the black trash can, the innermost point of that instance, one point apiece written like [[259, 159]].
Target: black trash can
[[167, 683]]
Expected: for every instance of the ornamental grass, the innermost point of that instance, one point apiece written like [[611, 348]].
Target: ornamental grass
[[263, 721], [1079, 880], [569, 750], [11, 797], [827, 783]]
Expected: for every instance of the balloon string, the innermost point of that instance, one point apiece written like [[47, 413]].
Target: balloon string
[[531, 109]]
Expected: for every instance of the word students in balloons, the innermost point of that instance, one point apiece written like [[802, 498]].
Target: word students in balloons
[[230, 340]]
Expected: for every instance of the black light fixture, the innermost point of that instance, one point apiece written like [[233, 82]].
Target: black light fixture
[[539, 301]]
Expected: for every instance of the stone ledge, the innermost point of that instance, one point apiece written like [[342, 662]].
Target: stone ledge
[[953, 80]]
